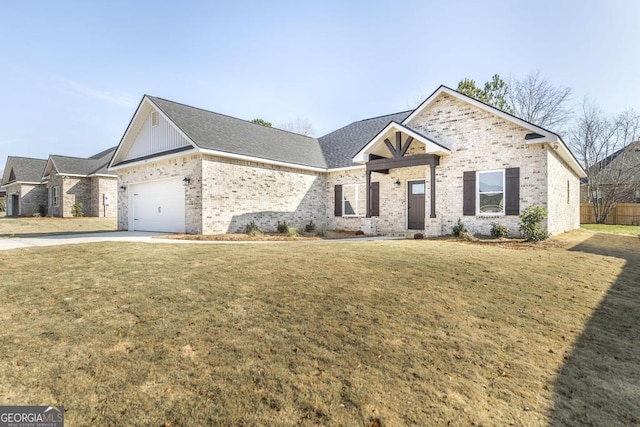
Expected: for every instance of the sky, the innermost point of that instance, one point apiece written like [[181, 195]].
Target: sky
[[72, 73]]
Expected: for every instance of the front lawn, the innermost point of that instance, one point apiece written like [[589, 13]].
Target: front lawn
[[29, 226], [424, 332], [633, 230]]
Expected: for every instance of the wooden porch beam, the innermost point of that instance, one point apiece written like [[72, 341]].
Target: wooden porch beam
[[404, 149]]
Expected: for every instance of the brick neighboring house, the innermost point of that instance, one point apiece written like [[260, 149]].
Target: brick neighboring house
[[58, 183], [71, 180], [184, 169], [622, 167], [22, 181]]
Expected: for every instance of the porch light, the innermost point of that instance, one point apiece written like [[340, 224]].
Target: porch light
[[397, 183], [186, 181], [123, 187]]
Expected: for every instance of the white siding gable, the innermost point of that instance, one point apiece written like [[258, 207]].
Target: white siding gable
[[156, 139]]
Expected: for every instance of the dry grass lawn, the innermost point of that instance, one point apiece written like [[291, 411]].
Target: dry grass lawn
[[11, 226], [423, 332]]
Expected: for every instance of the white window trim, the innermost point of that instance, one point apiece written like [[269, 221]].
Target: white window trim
[[504, 195], [358, 201], [55, 198]]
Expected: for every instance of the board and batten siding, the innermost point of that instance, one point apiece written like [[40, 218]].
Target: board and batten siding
[[156, 139]]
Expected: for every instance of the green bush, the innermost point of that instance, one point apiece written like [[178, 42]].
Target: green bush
[[42, 210], [292, 231], [76, 209], [282, 227], [531, 224], [252, 229], [458, 228], [498, 230], [310, 228]]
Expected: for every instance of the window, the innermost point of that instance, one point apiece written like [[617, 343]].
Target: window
[[490, 192], [568, 193], [354, 200], [637, 196], [55, 196], [154, 118]]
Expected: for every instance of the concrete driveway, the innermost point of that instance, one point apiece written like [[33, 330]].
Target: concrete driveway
[[7, 243]]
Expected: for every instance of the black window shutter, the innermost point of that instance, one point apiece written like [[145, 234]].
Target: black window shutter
[[338, 201], [469, 193], [375, 199], [512, 191]]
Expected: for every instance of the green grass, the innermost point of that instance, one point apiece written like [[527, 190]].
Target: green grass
[[306, 333], [632, 230]]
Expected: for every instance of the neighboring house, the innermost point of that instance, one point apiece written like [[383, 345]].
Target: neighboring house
[[22, 181], [56, 184], [71, 180], [619, 171], [184, 169]]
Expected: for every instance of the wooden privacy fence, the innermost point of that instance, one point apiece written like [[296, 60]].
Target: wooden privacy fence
[[621, 214]]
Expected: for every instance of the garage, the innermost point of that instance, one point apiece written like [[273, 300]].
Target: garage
[[157, 206]]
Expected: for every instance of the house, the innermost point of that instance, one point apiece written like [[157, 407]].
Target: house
[[616, 178], [22, 181], [184, 169], [54, 185], [71, 180]]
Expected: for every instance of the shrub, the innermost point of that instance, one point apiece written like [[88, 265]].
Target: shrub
[[458, 228], [359, 233], [418, 236], [465, 235], [498, 230], [310, 228], [282, 227], [76, 209], [292, 232], [321, 231], [530, 224], [42, 210], [252, 229]]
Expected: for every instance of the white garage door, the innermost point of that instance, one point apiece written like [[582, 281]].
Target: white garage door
[[158, 206]]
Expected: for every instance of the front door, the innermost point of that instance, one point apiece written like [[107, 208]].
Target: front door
[[415, 205], [15, 205]]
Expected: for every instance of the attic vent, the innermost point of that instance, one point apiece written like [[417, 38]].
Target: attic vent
[[530, 136], [12, 176], [154, 118]]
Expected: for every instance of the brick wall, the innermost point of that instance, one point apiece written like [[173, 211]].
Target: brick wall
[[563, 202], [234, 193], [99, 187], [31, 197]]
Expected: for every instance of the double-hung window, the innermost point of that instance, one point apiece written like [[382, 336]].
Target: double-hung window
[[354, 200], [490, 199], [55, 196]]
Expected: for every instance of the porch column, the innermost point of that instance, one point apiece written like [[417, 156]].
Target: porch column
[[432, 168], [368, 192]]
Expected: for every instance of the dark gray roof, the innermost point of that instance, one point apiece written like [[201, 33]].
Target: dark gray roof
[[230, 135], [26, 169], [621, 166], [341, 145], [79, 166]]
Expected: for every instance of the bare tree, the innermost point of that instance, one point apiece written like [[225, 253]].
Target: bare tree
[[610, 154], [536, 100], [300, 126]]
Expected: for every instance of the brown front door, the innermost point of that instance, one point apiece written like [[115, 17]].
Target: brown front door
[[415, 205]]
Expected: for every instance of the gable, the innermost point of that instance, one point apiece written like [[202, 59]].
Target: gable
[[12, 176], [155, 135]]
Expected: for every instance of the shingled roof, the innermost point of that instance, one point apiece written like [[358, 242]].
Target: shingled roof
[[25, 169], [96, 164], [227, 134], [341, 145]]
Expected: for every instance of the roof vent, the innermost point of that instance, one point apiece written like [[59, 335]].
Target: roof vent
[[154, 118]]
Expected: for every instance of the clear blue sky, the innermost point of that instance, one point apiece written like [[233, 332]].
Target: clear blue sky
[[72, 73]]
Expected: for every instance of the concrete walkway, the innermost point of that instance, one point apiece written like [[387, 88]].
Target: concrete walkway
[[7, 243]]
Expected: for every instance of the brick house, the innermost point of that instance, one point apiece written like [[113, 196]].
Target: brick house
[[57, 183], [184, 169], [22, 182]]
